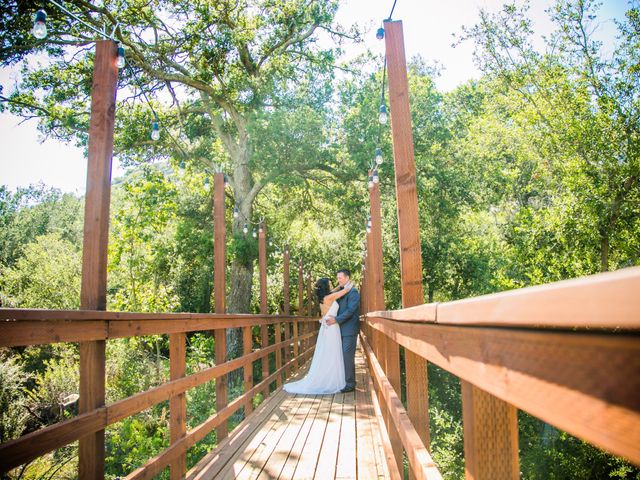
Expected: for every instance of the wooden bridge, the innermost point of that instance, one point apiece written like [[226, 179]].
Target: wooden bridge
[[567, 353]]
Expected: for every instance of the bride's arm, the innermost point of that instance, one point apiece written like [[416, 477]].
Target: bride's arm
[[329, 299]]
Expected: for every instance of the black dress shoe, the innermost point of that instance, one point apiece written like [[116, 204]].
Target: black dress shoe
[[347, 389]]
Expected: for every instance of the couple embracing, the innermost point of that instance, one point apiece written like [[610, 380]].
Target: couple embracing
[[333, 367]]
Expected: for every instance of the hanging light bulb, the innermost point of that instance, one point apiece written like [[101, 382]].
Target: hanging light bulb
[[378, 156], [182, 164], [254, 233], [260, 229], [370, 183], [380, 33], [369, 225], [206, 182], [376, 176], [120, 61], [235, 212], [226, 181], [39, 29], [270, 243], [155, 131], [383, 117], [245, 229]]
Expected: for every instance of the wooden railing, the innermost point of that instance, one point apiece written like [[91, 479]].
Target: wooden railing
[[34, 327], [567, 353]]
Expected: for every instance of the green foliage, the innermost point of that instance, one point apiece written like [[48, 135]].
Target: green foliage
[[13, 413], [46, 276]]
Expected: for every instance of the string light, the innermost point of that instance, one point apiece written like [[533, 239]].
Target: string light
[[155, 131], [120, 61], [260, 229], [235, 212], [39, 29], [245, 229], [254, 233], [226, 181], [370, 181], [380, 33], [369, 224], [378, 156], [383, 117], [376, 176]]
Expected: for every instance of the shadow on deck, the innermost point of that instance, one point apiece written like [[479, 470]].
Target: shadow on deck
[[304, 437]]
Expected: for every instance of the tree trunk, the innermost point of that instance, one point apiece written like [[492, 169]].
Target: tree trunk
[[241, 268]]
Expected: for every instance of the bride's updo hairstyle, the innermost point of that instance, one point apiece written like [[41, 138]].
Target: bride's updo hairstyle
[[322, 288]]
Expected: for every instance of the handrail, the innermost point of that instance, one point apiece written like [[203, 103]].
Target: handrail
[[19, 327], [577, 370], [603, 301]]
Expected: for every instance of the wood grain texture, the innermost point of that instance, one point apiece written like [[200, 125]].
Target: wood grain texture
[[219, 244], [178, 402], [93, 289], [584, 383], [420, 461], [490, 436], [408, 220]]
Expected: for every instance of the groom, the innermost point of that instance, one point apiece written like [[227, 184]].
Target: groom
[[349, 320]]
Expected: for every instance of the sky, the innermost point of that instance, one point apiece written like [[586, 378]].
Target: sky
[[428, 26]]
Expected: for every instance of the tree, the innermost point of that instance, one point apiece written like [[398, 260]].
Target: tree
[[579, 112]]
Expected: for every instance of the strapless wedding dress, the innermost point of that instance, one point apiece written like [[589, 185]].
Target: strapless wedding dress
[[326, 373]]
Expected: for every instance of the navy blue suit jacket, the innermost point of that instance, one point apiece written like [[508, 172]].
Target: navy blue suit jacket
[[349, 313]]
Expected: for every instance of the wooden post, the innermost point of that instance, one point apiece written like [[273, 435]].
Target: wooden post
[[287, 305], [299, 329], [178, 403], [490, 436], [408, 221], [247, 343], [264, 329], [93, 294], [219, 288]]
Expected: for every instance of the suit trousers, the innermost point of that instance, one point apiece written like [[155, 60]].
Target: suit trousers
[[349, 355]]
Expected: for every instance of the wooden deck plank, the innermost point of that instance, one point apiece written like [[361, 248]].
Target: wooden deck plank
[[278, 457], [299, 446], [306, 466], [365, 447], [326, 466], [304, 437], [347, 453], [250, 463]]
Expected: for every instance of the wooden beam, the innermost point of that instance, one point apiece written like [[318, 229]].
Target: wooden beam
[[408, 219], [586, 384], [376, 272], [222, 398], [219, 284], [287, 303], [262, 263], [177, 403], [93, 292], [219, 244], [490, 436], [247, 344]]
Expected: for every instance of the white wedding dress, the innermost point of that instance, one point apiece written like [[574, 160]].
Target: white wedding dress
[[326, 373]]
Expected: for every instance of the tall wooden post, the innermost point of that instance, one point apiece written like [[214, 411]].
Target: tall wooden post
[[93, 293], [299, 328], [287, 304], [408, 222], [178, 403], [264, 329], [219, 288], [490, 436]]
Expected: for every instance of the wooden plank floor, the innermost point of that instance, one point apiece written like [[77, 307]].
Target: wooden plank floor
[[303, 437]]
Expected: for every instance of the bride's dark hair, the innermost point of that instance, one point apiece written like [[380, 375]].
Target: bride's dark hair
[[322, 288]]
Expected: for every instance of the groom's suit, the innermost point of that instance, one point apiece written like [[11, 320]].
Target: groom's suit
[[349, 319]]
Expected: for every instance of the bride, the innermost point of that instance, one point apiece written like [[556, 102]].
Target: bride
[[326, 373]]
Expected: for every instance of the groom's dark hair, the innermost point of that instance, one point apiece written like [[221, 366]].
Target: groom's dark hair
[[346, 271]]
